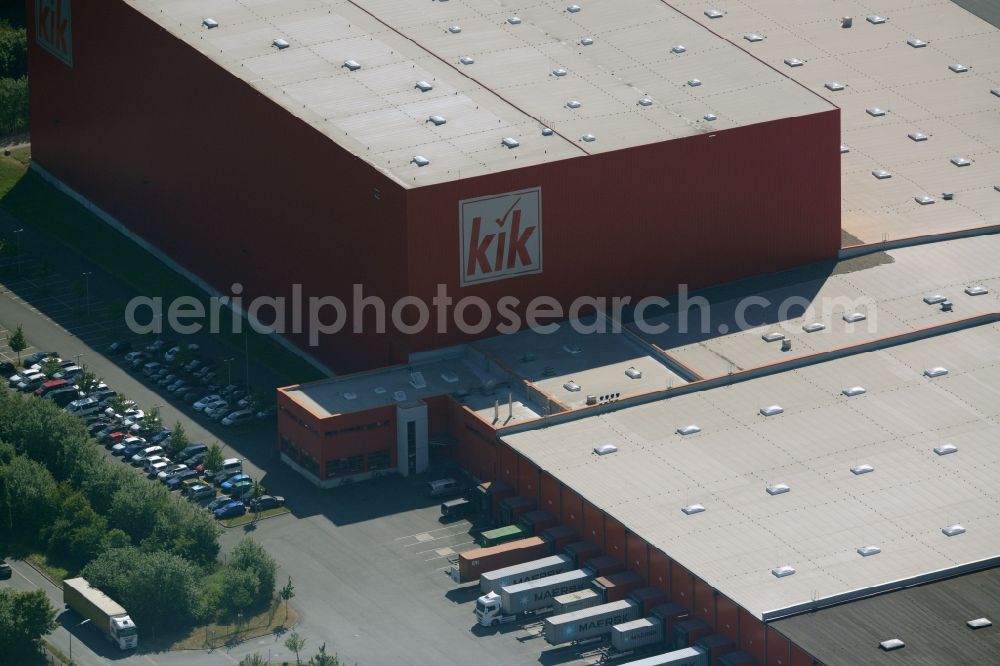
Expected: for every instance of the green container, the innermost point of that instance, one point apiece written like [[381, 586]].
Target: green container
[[502, 535]]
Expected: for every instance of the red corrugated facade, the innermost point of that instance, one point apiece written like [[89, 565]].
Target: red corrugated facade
[[235, 189]]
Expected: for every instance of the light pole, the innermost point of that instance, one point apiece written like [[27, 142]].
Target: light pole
[[18, 233], [229, 370], [87, 278], [246, 355], [78, 356], [71, 638]]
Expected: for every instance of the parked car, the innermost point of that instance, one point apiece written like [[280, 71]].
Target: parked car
[[200, 492], [140, 456], [82, 407], [50, 385], [161, 436], [153, 470], [38, 357], [69, 372], [178, 385], [189, 395], [31, 382], [64, 396], [157, 345], [266, 502], [206, 401], [151, 367], [168, 472], [218, 503], [7, 368], [116, 348], [231, 510], [148, 461], [227, 485], [118, 449], [5, 570], [196, 460], [230, 466], [214, 408], [132, 447], [190, 451], [238, 418], [174, 351], [177, 480]]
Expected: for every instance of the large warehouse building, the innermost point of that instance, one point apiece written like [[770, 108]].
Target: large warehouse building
[[618, 150]]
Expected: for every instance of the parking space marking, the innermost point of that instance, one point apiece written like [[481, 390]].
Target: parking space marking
[[423, 537], [444, 552]]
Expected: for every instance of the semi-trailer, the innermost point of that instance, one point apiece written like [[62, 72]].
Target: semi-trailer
[[692, 656], [531, 598], [657, 627], [714, 649], [493, 581], [472, 563], [103, 612], [574, 601], [500, 535], [590, 622]]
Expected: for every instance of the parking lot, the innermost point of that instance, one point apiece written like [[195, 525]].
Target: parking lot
[[367, 560]]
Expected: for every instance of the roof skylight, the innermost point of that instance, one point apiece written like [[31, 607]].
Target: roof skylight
[[688, 430], [937, 371], [858, 470], [778, 489], [771, 410], [945, 449], [423, 86], [281, 43], [917, 136], [916, 43], [852, 391], [420, 160], [781, 572], [793, 62], [868, 551], [713, 13], [692, 509], [510, 142], [605, 449], [924, 199], [352, 65], [953, 530], [210, 23]]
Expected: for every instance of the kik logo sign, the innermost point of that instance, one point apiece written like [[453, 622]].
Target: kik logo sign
[[54, 29], [501, 236]]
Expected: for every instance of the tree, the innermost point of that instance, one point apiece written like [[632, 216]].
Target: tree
[[78, 532], [50, 366], [151, 423], [24, 618], [295, 643], [213, 459], [249, 555], [256, 492], [287, 593], [120, 404], [253, 659], [239, 588], [29, 497], [178, 440], [88, 381], [17, 342], [321, 658]]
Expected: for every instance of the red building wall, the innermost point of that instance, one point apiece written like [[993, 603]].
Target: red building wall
[[614, 540]]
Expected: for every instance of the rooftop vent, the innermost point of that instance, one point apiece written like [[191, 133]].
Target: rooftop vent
[[379, 390], [892, 644], [881, 174], [937, 371], [778, 489], [979, 623], [514, 20], [934, 299], [694, 83], [996, 91], [455, 29], [420, 160], [352, 65], [916, 43], [605, 449], [571, 386], [846, 22], [771, 410], [852, 391], [466, 60], [793, 62], [633, 373], [844, 149], [510, 142], [868, 551], [953, 530], [586, 41], [399, 396], [814, 327], [976, 290], [559, 72], [210, 23], [917, 136], [417, 380], [573, 9], [645, 101], [781, 572], [449, 377], [833, 85], [281, 43], [945, 449], [692, 509], [773, 336], [547, 131], [679, 49], [854, 317], [423, 86], [588, 138], [858, 470], [753, 37], [713, 13], [572, 349], [688, 430], [573, 104], [437, 120], [710, 117], [875, 19], [875, 111], [958, 68], [350, 396], [961, 161], [924, 200]]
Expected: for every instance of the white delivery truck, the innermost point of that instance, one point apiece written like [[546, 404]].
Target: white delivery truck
[[535, 596], [104, 613]]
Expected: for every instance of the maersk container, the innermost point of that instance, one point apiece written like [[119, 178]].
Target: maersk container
[[493, 581], [605, 565], [691, 656], [561, 537], [574, 601], [472, 563], [589, 622], [637, 634], [534, 522], [512, 508], [616, 587], [489, 495], [687, 632], [502, 535], [582, 552], [527, 597]]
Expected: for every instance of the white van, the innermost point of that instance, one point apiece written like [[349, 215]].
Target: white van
[[82, 407], [444, 487], [147, 452], [229, 467]]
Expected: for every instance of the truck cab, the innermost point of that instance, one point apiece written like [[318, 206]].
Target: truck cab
[[123, 632], [489, 612]]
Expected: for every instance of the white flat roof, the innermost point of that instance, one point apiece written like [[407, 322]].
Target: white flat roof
[[829, 513], [890, 295], [377, 113], [914, 85]]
